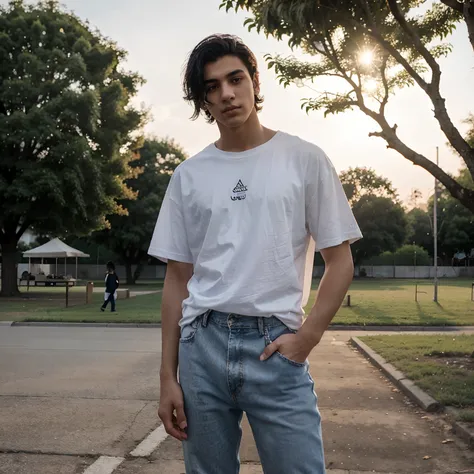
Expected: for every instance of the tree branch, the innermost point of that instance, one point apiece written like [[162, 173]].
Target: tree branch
[[22, 229], [400, 59], [454, 4], [464, 195], [419, 46], [440, 112], [383, 68], [468, 12]]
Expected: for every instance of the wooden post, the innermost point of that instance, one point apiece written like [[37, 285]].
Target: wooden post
[[67, 294], [349, 300], [416, 293], [89, 291]]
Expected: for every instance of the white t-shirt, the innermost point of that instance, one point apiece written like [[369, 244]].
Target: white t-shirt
[[248, 222]]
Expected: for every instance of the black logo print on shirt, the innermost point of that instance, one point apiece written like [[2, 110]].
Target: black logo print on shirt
[[239, 192]]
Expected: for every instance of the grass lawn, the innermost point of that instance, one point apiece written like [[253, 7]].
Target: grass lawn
[[373, 302], [138, 309], [48, 304], [392, 302], [439, 364]]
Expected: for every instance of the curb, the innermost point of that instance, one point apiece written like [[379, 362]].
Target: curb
[[330, 328], [84, 325], [463, 430], [415, 393], [427, 402]]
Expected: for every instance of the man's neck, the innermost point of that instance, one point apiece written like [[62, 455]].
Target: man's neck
[[249, 135]]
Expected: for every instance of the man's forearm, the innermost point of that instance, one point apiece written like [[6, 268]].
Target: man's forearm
[[174, 292], [332, 289]]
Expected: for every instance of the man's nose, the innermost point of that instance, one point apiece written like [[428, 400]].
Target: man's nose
[[227, 92]]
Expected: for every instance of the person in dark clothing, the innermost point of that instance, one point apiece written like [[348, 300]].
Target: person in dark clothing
[[111, 285]]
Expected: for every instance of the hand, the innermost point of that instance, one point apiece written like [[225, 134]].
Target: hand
[[293, 346], [171, 410]]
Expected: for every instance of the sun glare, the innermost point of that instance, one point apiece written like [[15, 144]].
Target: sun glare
[[366, 57]]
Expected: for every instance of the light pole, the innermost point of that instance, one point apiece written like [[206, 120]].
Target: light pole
[[435, 232]]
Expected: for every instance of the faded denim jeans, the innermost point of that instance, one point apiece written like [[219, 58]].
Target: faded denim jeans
[[222, 376]]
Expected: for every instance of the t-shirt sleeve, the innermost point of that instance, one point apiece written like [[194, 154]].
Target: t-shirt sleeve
[[169, 241], [329, 216]]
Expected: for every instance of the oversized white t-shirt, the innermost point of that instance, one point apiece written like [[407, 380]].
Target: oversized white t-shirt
[[250, 222]]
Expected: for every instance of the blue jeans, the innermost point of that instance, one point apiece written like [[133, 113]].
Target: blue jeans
[[222, 377]]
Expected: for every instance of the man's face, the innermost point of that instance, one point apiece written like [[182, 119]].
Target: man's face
[[230, 92]]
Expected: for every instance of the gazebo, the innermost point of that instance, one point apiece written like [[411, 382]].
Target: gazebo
[[54, 249]]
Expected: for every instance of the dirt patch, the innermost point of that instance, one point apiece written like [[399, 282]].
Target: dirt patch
[[460, 362]]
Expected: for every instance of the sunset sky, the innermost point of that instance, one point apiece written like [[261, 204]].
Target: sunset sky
[[159, 35]]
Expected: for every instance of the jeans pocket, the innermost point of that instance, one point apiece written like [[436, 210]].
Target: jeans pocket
[[272, 334], [189, 331]]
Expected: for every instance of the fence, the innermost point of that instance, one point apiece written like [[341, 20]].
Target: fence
[[152, 272]]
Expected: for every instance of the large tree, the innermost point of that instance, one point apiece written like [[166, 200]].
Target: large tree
[[359, 181], [129, 236], [372, 48], [420, 229], [383, 224], [67, 126], [455, 222]]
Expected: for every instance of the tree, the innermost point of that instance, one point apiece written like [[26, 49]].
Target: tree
[[455, 222], [372, 48], [383, 224], [420, 229], [358, 182], [129, 236], [67, 127]]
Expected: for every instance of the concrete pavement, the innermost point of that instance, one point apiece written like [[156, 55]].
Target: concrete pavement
[[69, 395], [367, 427]]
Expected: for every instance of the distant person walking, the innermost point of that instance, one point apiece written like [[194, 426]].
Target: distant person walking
[[111, 284]]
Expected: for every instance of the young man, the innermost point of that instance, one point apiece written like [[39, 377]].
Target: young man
[[238, 228], [111, 285]]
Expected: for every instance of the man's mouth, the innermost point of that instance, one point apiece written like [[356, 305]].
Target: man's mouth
[[230, 109]]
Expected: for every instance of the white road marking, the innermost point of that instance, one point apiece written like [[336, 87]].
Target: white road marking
[[104, 465], [150, 443]]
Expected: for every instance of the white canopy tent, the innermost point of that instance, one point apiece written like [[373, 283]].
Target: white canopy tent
[[54, 249]]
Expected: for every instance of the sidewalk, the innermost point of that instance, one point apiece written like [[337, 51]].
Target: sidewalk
[[367, 427]]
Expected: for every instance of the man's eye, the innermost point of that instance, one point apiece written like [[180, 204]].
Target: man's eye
[[211, 88], [236, 80]]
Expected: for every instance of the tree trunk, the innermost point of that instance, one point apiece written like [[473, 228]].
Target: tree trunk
[[468, 11], [128, 272], [137, 272], [9, 268]]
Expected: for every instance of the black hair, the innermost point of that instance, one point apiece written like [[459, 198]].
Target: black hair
[[110, 266], [209, 50]]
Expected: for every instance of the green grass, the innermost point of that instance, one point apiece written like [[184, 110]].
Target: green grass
[[48, 304], [139, 309], [392, 302], [374, 302], [439, 364]]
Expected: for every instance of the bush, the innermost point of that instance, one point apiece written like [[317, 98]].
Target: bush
[[405, 255]]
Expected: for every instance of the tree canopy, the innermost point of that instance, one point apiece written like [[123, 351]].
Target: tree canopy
[[67, 126], [129, 236], [370, 48], [360, 181]]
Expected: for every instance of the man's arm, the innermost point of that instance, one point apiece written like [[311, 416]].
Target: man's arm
[[338, 274], [174, 293], [171, 410]]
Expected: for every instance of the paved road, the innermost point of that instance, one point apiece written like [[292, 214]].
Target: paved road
[[74, 393], [70, 395]]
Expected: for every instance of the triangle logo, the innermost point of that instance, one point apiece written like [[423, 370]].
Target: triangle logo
[[240, 188]]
